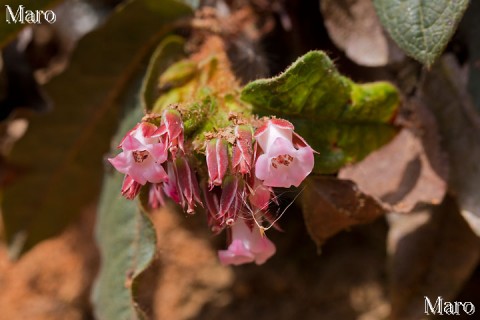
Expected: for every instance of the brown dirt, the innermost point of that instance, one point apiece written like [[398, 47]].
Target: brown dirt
[[346, 281]]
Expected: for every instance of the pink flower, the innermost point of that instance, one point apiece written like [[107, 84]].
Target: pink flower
[[248, 245], [242, 151], [287, 159], [142, 155], [217, 161]]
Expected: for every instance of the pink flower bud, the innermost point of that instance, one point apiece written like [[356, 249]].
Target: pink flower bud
[[171, 187], [130, 188], [155, 196], [217, 161], [287, 159], [142, 155], [231, 198], [171, 131], [242, 151], [187, 181], [212, 205], [248, 245]]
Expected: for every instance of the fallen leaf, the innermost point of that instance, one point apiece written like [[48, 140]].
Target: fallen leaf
[[331, 205], [459, 125], [354, 27], [432, 253], [406, 173]]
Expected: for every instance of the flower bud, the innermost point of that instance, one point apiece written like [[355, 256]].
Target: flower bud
[[217, 161], [242, 151]]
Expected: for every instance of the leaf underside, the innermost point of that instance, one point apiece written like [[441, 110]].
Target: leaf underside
[[421, 28]]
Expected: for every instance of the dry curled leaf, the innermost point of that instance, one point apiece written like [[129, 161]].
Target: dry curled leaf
[[331, 205], [432, 253], [459, 124], [354, 27], [408, 172]]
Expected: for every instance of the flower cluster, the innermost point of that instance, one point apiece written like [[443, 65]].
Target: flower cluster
[[243, 165], [155, 154]]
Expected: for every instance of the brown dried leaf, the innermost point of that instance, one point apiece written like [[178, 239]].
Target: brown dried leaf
[[459, 124], [432, 253], [354, 27], [406, 173], [331, 205]]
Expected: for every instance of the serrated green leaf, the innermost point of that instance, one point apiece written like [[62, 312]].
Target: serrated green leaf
[[63, 150], [8, 30], [421, 28], [341, 120]]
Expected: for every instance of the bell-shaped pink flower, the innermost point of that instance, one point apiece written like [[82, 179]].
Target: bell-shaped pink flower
[[217, 161], [287, 159], [248, 245], [242, 153], [142, 155]]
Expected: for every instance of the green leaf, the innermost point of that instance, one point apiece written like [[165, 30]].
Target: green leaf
[[127, 241], [63, 150], [9, 30], [342, 120], [168, 52], [421, 28]]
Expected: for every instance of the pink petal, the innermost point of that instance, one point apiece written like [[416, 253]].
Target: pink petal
[[131, 144], [247, 246], [236, 254], [153, 173], [121, 162], [266, 136]]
